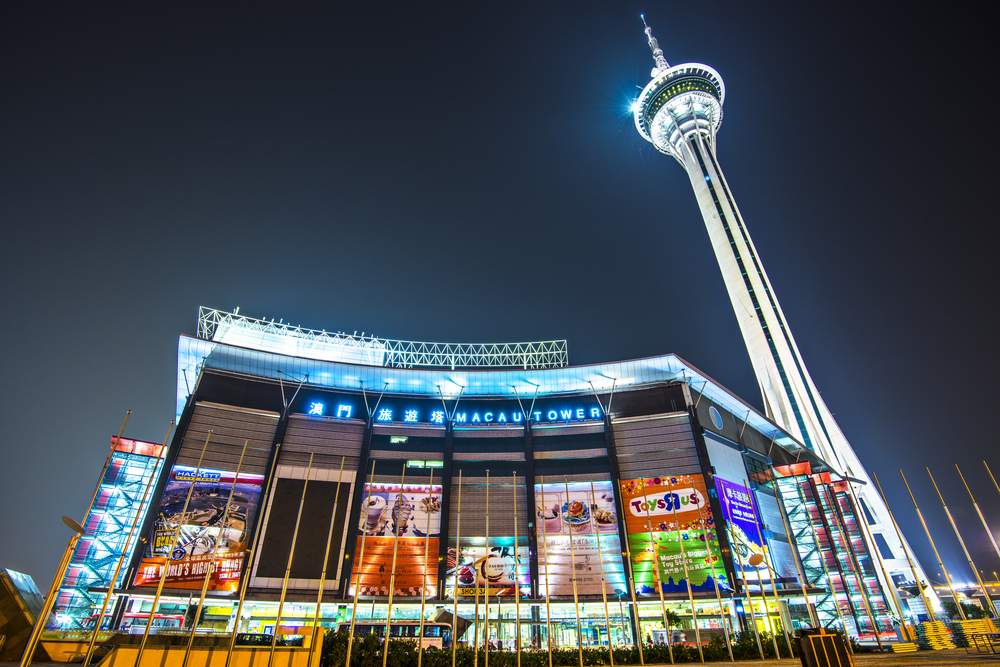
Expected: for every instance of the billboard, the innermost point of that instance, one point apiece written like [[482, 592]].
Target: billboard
[[495, 567], [576, 528], [660, 513], [749, 545], [409, 515], [205, 534]]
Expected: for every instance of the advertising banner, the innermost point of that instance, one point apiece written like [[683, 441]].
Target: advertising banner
[[660, 512], [570, 521], [494, 569], [413, 513], [203, 537], [748, 540]]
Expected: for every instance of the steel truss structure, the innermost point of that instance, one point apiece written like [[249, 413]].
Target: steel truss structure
[[216, 325]]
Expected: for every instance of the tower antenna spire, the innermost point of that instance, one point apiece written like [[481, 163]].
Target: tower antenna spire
[[661, 62]]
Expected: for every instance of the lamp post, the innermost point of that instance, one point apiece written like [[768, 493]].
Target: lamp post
[[50, 599]]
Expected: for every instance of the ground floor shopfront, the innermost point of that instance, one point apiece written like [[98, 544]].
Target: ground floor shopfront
[[562, 622]]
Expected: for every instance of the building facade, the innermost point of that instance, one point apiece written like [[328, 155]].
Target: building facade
[[580, 503]]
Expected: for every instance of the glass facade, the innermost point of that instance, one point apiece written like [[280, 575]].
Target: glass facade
[[118, 505]]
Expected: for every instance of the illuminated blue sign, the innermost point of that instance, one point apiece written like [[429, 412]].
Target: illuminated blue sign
[[466, 414]]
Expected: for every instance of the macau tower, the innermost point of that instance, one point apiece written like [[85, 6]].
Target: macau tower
[[679, 112]]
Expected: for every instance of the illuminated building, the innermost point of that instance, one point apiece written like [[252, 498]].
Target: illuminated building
[[119, 500], [679, 112], [598, 460]]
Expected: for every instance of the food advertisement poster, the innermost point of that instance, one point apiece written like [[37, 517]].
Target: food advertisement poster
[[576, 527], [495, 568], [207, 537], [410, 514], [670, 525]]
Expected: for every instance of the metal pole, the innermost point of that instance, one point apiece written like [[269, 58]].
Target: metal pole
[[786, 524], [61, 571], [576, 596], [173, 545], [517, 580], [545, 557], [121, 558], [211, 564], [687, 575], [856, 565], [326, 558], [423, 585], [826, 570], [656, 575], [965, 550], [392, 570], [246, 576], [291, 559], [357, 581], [979, 512], [874, 547], [600, 556], [458, 565], [723, 615], [760, 528], [909, 561], [50, 599], [627, 555], [947, 577], [990, 473], [747, 595], [486, 583]]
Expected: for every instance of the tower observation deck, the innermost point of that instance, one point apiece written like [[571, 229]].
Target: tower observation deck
[[679, 112]]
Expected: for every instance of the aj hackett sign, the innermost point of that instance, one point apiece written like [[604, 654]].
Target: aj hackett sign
[[471, 415]]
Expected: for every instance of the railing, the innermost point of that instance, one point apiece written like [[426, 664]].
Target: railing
[[219, 325]]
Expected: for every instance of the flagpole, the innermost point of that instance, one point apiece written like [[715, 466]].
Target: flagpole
[[423, 585], [548, 569], [627, 555], [965, 549], [112, 583], [747, 595], [947, 577], [576, 596], [517, 581], [326, 558], [810, 607], [211, 563], [656, 576], [856, 563], [245, 583], [42, 619], [723, 614], [760, 527], [600, 555], [458, 565], [826, 572], [874, 547], [169, 554], [990, 473], [909, 561], [687, 575], [357, 579], [392, 570], [979, 512], [291, 559], [486, 582]]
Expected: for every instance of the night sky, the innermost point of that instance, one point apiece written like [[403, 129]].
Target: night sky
[[469, 173]]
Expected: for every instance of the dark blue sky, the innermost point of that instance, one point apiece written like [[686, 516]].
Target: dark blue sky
[[472, 173]]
